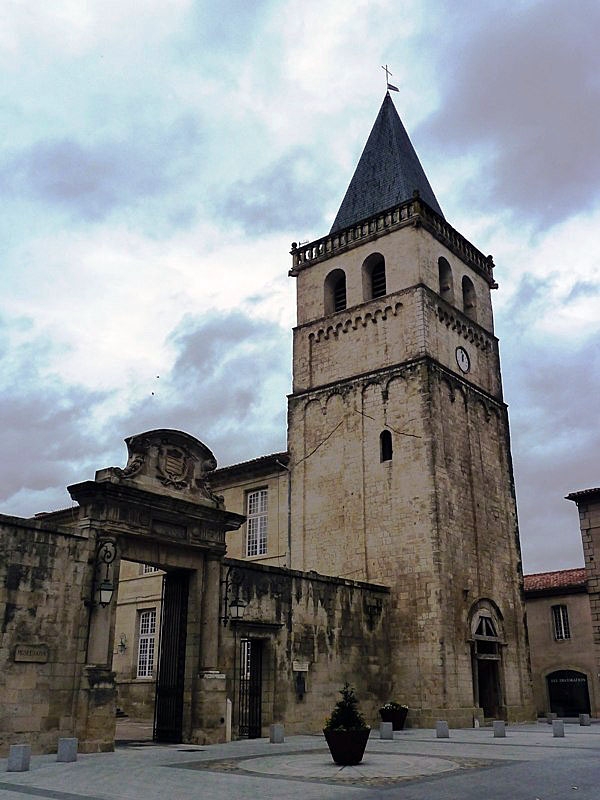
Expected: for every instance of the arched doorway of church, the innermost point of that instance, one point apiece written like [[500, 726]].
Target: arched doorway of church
[[568, 693], [486, 657]]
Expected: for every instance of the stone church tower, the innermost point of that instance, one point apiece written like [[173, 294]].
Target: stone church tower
[[398, 437]]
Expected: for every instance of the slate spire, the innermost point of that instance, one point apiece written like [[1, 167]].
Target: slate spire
[[388, 172]]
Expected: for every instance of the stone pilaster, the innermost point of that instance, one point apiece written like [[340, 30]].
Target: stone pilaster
[[96, 709]]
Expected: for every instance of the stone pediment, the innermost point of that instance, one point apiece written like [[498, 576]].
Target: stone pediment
[[167, 462]]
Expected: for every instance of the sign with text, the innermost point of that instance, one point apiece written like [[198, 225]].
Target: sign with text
[[34, 653]]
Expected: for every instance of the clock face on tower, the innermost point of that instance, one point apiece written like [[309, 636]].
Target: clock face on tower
[[463, 360]]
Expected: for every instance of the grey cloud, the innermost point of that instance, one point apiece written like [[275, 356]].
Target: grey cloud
[[90, 180], [227, 386], [290, 192], [523, 92], [46, 426], [552, 393], [529, 298], [230, 28], [582, 289]]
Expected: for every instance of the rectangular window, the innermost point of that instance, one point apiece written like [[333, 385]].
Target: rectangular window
[[560, 619], [147, 568], [146, 645], [256, 538]]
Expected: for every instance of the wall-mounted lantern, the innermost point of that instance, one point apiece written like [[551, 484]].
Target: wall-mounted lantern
[[233, 605], [122, 646], [103, 585]]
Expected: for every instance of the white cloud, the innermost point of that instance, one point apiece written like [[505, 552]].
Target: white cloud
[[274, 101]]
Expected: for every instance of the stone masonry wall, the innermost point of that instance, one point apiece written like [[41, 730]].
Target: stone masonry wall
[[437, 523], [44, 579], [411, 258], [476, 543], [335, 629], [588, 505]]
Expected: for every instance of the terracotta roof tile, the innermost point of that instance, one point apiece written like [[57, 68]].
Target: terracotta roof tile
[[563, 578]]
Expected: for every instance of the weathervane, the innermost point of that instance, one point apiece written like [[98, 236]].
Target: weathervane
[[387, 79]]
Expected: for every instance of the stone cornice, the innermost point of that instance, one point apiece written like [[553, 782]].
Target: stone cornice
[[414, 212], [386, 374]]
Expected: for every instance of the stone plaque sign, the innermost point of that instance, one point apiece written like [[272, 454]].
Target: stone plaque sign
[[300, 666], [34, 653]]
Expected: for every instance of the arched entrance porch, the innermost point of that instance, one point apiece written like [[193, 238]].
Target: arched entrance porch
[[159, 510]]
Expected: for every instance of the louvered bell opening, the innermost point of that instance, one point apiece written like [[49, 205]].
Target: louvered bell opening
[[339, 295], [378, 280]]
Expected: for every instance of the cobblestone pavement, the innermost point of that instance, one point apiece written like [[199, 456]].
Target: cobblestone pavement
[[529, 764]]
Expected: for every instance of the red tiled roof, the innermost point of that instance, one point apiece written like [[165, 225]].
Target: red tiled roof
[[563, 578]]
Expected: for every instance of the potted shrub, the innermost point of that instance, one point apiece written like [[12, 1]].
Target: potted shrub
[[394, 713], [346, 731]]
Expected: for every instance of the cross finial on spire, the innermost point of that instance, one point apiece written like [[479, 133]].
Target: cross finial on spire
[[387, 79]]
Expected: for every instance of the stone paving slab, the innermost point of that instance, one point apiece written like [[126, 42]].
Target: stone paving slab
[[469, 765]]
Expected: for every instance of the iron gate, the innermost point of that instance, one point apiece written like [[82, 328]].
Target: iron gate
[[168, 708], [250, 722]]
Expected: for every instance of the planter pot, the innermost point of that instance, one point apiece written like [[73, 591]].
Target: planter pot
[[397, 718], [347, 747]]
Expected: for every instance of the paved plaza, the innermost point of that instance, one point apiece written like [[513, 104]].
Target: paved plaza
[[529, 764]]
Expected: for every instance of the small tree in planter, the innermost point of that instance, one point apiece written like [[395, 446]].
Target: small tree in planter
[[394, 713], [346, 731]]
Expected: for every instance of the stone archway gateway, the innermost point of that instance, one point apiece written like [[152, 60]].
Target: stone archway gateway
[[159, 509]]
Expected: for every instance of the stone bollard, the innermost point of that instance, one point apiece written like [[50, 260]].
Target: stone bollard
[[441, 729], [386, 730], [558, 728], [67, 750], [499, 729], [276, 734], [584, 719], [550, 716], [19, 757]]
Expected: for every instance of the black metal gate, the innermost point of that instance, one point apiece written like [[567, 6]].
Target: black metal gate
[[168, 708], [250, 722]]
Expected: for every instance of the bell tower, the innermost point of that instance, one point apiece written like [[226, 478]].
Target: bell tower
[[398, 436]]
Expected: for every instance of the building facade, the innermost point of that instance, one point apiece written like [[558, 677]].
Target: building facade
[[398, 470], [563, 662]]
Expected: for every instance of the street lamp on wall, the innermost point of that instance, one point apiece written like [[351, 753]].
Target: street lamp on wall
[[103, 585], [233, 605]]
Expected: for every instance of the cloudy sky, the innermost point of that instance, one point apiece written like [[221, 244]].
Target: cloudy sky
[[157, 158]]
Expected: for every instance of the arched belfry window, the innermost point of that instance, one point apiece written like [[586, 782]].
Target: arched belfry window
[[335, 291], [373, 275], [446, 280], [469, 298], [386, 450]]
